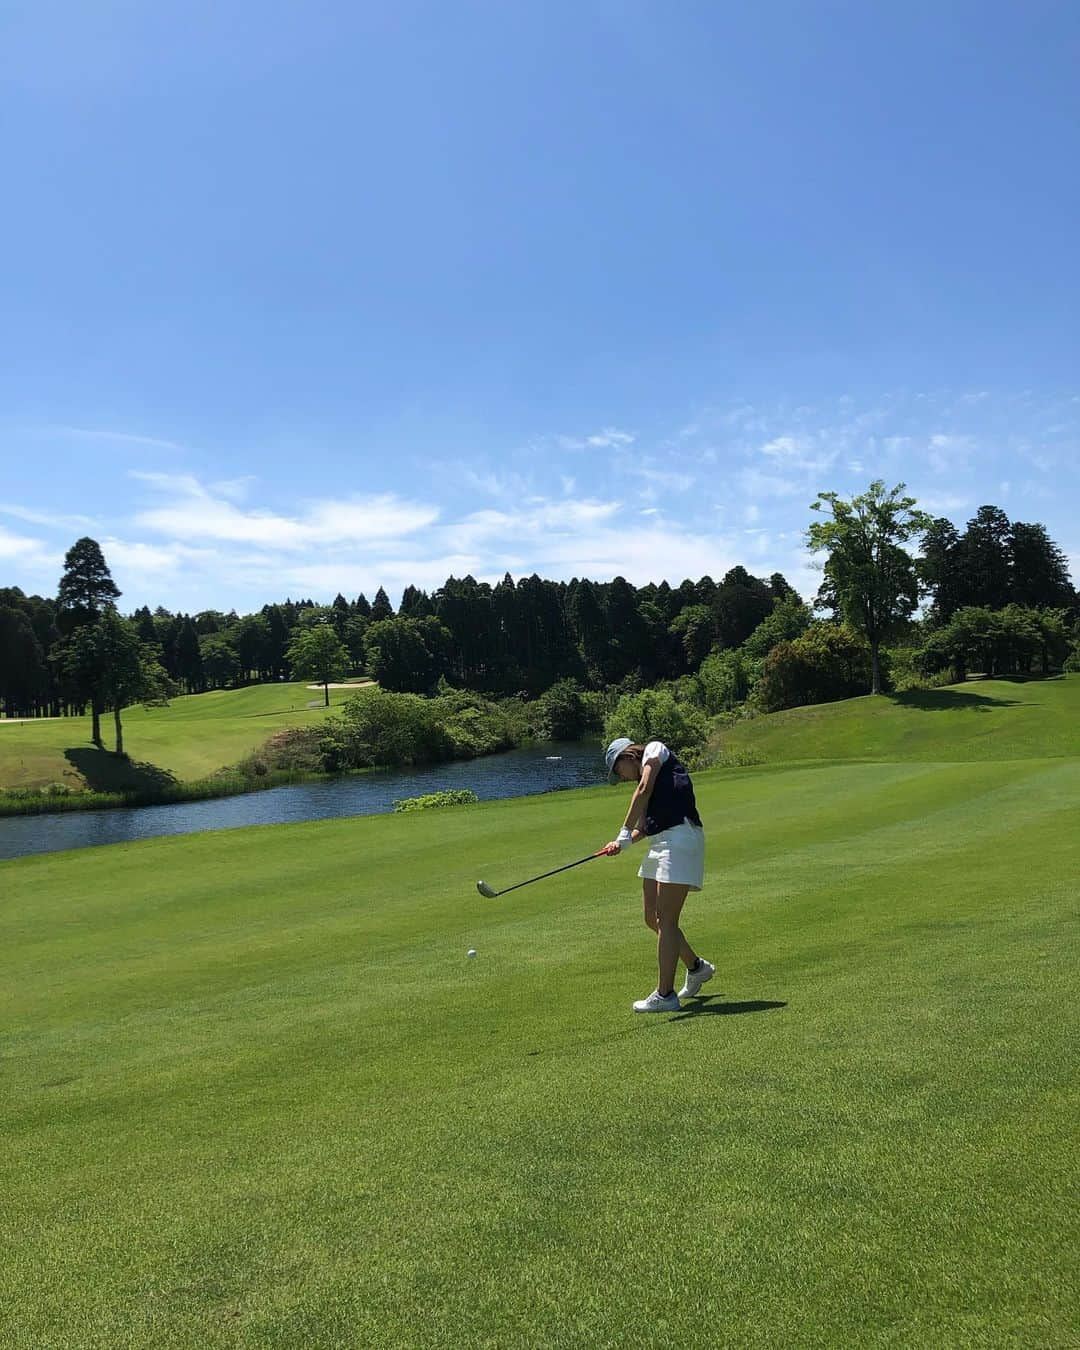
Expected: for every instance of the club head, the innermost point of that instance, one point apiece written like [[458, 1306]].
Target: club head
[[486, 890]]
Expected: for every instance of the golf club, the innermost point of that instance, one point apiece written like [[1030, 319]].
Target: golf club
[[486, 890]]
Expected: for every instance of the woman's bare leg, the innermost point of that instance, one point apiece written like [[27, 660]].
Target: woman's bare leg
[[671, 943], [652, 920]]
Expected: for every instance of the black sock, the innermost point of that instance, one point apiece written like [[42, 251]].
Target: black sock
[[696, 966]]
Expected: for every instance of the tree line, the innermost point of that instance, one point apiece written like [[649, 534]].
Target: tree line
[[996, 597]]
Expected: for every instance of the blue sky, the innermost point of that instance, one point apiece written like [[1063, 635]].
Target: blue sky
[[301, 298]]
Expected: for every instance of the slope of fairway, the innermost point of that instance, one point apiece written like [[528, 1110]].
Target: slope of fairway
[[255, 1095], [981, 720], [190, 738]]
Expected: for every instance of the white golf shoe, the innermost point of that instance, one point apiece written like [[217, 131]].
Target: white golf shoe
[[696, 978], [656, 1002]]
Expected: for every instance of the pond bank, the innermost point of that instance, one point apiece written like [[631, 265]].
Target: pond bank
[[544, 767]]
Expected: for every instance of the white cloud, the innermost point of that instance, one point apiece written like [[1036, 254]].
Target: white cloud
[[25, 551], [51, 519], [610, 438], [196, 513]]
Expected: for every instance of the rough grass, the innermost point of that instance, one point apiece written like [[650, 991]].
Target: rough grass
[[190, 739], [256, 1096]]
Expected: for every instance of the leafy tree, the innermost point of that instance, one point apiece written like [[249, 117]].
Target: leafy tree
[[789, 619], [726, 679], [562, 713], [740, 604], [318, 654], [870, 579], [828, 662], [221, 665], [362, 606], [695, 632], [654, 714], [252, 640], [376, 726], [116, 668], [407, 655]]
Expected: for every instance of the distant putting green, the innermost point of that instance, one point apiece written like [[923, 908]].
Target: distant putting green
[[255, 1094], [190, 738]]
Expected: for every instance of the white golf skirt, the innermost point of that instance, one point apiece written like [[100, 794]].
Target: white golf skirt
[[677, 856]]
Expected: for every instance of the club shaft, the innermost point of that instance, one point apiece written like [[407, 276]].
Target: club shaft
[[565, 868]]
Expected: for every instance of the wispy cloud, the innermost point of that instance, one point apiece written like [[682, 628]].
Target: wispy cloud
[[51, 519], [195, 512], [105, 434], [611, 438]]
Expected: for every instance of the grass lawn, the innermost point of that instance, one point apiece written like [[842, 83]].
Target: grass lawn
[[255, 1095], [193, 736], [984, 719]]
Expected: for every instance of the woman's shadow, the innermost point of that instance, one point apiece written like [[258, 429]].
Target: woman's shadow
[[713, 1005]]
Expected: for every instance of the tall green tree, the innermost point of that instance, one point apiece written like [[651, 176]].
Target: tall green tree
[[407, 655], [870, 578], [86, 589], [381, 608], [115, 667], [318, 654], [86, 586], [985, 559], [940, 570], [1040, 570]]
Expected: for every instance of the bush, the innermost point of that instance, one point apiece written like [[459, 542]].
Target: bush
[[654, 715], [561, 714], [378, 727], [473, 724], [451, 797], [726, 679], [827, 663]]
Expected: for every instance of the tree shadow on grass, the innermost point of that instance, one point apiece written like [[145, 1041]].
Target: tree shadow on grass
[[949, 700], [106, 772], [712, 1005]]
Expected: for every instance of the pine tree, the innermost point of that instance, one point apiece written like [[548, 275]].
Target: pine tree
[[86, 586], [381, 608]]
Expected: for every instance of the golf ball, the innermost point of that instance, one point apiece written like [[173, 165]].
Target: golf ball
[[471, 951]]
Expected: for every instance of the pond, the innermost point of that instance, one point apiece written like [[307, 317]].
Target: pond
[[516, 773]]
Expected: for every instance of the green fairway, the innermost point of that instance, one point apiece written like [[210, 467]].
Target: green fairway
[[984, 719], [255, 1095], [190, 738]]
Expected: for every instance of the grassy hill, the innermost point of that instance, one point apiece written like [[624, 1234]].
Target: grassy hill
[[981, 720], [190, 738], [255, 1095]]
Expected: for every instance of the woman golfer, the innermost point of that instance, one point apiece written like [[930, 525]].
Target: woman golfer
[[664, 811]]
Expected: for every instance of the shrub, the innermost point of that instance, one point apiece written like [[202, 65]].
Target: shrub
[[827, 663], [561, 714], [451, 797], [654, 715], [378, 727], [726, 679]]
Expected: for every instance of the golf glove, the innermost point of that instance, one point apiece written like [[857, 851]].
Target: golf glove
[[624, 838]]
